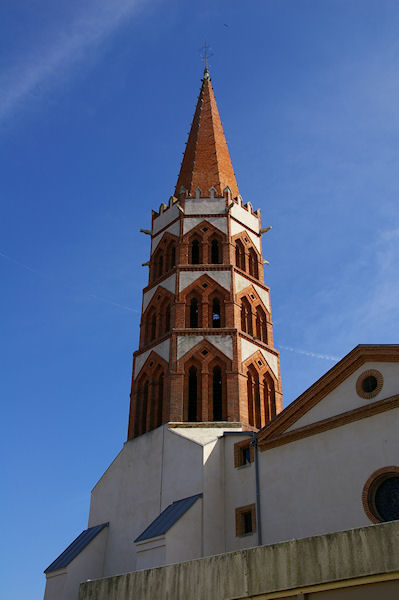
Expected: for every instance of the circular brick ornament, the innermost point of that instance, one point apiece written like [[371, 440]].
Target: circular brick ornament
[[381, 495], [369, 384]]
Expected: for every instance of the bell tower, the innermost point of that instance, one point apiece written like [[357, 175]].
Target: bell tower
[[206, 349]]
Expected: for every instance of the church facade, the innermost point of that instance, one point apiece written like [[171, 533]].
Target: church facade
[[212, 463]]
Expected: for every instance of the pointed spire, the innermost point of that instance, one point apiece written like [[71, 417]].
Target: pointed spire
[[206, 162]]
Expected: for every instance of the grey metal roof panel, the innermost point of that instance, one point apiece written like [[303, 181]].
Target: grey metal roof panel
[[76, 547], [167, 518]]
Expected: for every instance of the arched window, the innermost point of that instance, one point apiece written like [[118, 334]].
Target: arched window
[[192, 394], [153, 326], [167, 318], [261, 328], [215, 252], [216, 316], [217, 395], [240, 255], [253, 263], [172, 256], [139, 408], [269, 397], [195, 252], [160, 400], [160, 265], [246, 316], [144, 408], [253, 396], [194, 312]]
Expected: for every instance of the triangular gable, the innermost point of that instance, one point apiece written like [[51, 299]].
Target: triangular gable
[[298, 416]]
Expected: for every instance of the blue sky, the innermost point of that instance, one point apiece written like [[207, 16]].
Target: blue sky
[[96, 99]]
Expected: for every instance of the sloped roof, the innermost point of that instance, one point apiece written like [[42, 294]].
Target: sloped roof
[[206, 161], [167, 518], [275, 431], [76, 547]]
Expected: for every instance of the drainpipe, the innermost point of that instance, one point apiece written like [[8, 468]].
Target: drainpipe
[[254, 444]]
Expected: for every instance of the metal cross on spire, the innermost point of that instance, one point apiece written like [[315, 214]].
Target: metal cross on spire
[[205, 55]]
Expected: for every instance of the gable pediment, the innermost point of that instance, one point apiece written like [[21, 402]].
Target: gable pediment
[[338, 393]]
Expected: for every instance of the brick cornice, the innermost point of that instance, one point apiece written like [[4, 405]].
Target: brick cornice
[[350, 416], [328, 382]]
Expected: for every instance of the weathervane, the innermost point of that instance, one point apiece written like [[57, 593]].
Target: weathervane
[[205, 55]]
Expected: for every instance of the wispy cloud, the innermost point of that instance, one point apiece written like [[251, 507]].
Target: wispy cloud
[[311, 354], [50, 60], [69, 287]]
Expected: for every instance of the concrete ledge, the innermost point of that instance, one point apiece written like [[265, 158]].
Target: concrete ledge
[[345, 555]]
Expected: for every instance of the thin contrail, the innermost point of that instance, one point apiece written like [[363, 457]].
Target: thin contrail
[[312, 354], [36, 272]]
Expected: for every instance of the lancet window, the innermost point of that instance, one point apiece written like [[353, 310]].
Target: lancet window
[[215, 251], [216, 313], [253, 397], [195, 252], [192, 394], [217, 394], [246, 316], [253, 263], [240, 255], [261, 324]]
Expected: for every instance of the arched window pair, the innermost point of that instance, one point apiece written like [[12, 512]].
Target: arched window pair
[[193, 394], [163, 261], [261, 398], [149, 403], [157, 322], [241, 259], [195, 313], [248, 317], [214, 251]]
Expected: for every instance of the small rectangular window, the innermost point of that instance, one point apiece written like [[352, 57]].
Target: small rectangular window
[[243, 453], [245, 520]]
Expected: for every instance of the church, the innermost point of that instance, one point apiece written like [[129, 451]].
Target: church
[[218, 492]]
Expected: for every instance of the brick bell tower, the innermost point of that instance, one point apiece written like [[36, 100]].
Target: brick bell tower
[[206, 349]]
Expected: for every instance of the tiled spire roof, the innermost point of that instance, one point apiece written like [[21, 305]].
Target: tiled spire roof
[[206, 161]]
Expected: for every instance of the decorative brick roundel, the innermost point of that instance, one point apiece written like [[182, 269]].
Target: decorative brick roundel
[[381, 495], [369, 384]]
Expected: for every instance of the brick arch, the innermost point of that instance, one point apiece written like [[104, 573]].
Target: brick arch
[[157, 306], [258, 323], [205, 232], [205, 357], [205, 289], [161, 258], [247, 256], [262, 390], [145, 412]]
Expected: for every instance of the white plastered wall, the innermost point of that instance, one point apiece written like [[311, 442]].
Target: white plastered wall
[[151, 472], [239, 491], [161, 349], [241, 283], [88, 564], [248, 349], [166, 217], [169, 284], [224, 343], [190, 222], [174, 229], [204, 206], [245, 217], [314, 485], [238, 228], [223, 278]]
